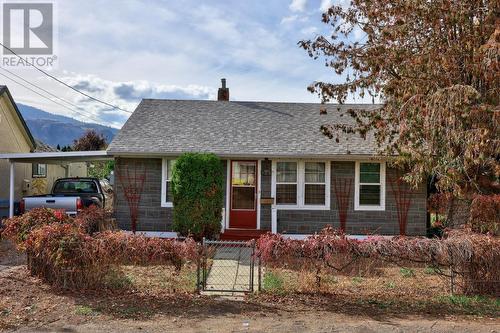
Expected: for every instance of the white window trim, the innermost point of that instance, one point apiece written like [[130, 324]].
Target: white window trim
[[39, 174], [301, 186], [164, 202], [357, 206]]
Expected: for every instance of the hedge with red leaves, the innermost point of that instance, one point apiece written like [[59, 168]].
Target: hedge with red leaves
[[62, 252], [472, 258]]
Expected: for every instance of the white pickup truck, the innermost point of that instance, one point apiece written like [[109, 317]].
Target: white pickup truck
[[68, 194]]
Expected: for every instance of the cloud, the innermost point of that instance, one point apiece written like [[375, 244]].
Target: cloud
[[325, 4], [289, 19], [174, 51], [309, 30], [134, 91], [126, 95], [298, 5]]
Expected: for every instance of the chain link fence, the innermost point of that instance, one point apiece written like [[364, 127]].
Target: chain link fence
[[229, 266]]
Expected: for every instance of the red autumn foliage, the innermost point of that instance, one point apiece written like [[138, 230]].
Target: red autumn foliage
[[90, 218], [129, 249], [90, 140], [67, 252], [439, 203], [472, 258], [485, 213], [19, 228]]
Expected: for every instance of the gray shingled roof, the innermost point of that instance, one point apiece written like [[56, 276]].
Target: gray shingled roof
[[234, 128]]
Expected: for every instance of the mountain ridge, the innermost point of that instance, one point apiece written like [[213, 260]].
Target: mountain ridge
[[54, 129]]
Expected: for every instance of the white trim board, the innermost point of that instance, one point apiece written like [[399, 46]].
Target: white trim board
[[228, 191], [163, 202], [158, 234], [357, 237], [259, 181]]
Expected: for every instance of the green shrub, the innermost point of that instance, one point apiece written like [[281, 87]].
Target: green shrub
[[272, 282], [197, 186], [407, 272], [390, 285], [357, 280], [430, 270]]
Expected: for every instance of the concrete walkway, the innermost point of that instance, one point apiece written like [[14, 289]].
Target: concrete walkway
[[229, 273]]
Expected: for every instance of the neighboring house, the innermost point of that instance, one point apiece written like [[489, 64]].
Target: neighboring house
[[15, 137], [43, 176], [282, 173]]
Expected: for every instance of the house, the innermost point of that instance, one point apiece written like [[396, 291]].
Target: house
[[15, 137], [282, 174]]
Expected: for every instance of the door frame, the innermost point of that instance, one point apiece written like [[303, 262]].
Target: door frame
[[228, 191]]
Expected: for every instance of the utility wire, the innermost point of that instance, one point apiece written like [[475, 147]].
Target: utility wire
[[64, 83], [42, 89], [43, 96]]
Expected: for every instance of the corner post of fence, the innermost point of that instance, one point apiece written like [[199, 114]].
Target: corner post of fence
[[198, 267], [452, 280], [204, 264], [252, 266], [260, 274]]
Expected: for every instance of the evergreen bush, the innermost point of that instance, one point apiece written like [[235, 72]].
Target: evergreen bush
[[197, 187]]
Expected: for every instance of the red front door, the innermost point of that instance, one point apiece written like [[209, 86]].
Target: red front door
[[243, 200]]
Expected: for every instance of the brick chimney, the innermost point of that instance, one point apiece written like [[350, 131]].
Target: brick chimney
[[223, 93]]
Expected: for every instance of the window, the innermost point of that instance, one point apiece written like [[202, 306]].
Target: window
[[314, 183], [243, 185], [166, 186], [286, 183], [39, 170], [370, 186], [301, 184], [75, 186]]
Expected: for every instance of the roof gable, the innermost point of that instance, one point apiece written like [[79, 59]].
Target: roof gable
[[4, 92]]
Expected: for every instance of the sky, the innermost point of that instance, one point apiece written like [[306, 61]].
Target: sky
[[122, 51]]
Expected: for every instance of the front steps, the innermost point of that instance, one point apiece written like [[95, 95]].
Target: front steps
[[241, 234]]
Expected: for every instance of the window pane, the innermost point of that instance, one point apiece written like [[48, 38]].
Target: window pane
[[286, 172], [77, 186], [369, 195], [42, 169], [314, 194], [39, 170], [243, 197], [170, 166], [369, 173], [169, 194], [315, 172], [243, 173], [286, 194]]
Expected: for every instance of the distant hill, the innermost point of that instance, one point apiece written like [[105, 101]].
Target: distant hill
[[54, 129]]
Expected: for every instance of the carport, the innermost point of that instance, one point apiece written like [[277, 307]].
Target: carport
[[48, 158]]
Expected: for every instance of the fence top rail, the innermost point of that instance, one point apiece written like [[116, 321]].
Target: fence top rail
[[218, 242]]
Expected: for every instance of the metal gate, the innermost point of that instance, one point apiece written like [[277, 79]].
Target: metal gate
[[229, 266]]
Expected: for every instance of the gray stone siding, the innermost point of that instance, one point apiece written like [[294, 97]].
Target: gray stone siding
[[151, 216], [358, 222]]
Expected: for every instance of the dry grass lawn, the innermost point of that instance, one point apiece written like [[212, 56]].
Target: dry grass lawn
[[159, 299]]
